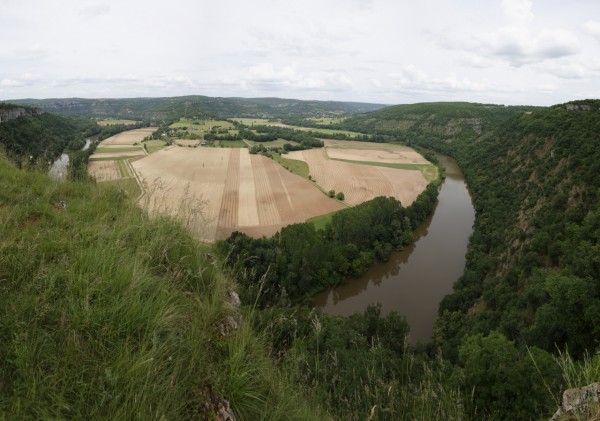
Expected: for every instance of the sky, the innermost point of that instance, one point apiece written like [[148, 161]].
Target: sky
[[530, 52]]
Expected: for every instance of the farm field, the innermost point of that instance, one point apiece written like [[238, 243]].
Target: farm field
[[364, 181], [115, 121], [220, 190], [111, 159]]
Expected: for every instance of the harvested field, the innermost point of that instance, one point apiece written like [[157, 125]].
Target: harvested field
[[390, 156], [117, 154], [129, 137], [217, 191], [104, 170], [358, 182]]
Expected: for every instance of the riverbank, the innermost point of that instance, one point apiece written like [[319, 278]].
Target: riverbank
[[414, 281]]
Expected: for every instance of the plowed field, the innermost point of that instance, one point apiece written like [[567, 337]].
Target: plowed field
[[360, 182], [217, 191]]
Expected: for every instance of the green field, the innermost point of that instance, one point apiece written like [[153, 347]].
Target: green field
[[274, 144], [200, 127], [321, 221], [323, 131], [292, 165], [231, 143], [114, 122], [326, 120], [115, 150], [252, 121], [114, 158], [154, 145]]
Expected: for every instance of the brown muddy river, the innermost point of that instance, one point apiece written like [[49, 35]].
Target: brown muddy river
[[414, 280]]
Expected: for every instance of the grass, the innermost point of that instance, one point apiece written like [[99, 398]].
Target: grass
[[292, 165], [429, 171], [273, 144], [251, 121], [154, 145], [321, 221], [111, 121], [114, 150], [114, 158], [232, 144], [327, 120], [109, 314], [323, 131], [124, 168], [200, 127], [128, 185]]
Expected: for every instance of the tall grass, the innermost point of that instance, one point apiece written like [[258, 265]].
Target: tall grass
[[106, 313]]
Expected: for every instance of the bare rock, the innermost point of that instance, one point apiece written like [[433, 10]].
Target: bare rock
[[224, 412], [583, 403]]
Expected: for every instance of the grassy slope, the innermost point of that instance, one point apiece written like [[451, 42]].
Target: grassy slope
[[107, 314]]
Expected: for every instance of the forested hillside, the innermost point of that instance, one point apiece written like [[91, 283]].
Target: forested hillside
[[196, 106], [43, 135], [533, 269]]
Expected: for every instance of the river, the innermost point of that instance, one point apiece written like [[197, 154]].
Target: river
[[58, 171], [414, 280]]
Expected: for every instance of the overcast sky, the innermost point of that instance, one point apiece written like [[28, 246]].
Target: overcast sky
[[537, 52]]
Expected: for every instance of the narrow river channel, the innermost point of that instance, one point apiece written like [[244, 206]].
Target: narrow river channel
[[58, 171], [414, 280]]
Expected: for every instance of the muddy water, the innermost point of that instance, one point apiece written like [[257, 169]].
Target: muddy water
[[58, 171], [414, 281]]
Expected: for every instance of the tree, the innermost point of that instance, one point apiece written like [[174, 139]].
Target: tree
[[339, 196]]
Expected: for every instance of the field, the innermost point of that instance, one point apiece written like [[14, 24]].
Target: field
[[200, 127], [252, 121], [272, 144], [187, 142], [364, 178], [220, 190], [110, 160], [114, 122]]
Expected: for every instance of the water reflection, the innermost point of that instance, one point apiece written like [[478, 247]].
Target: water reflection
[[415, 280]]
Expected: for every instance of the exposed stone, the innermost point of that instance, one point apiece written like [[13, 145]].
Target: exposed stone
[[229, 325], [233, 298], [224, 412], [581, 403]]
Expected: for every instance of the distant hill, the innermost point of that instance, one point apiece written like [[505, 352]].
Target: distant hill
[[196, 107], [436, 121]]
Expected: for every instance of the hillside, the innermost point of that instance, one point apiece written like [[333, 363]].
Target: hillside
[[106, 314], [27, 132], [533, 267], [195, 106], [432, 124]]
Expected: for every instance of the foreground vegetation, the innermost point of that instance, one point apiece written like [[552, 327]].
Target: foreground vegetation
[[107, 314]]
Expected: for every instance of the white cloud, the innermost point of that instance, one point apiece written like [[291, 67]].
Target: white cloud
[[519, 11], [592, 28], [94, 10], [519, 46]]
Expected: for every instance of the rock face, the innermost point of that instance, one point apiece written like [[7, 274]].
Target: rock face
[[578, 404], [10, 113]]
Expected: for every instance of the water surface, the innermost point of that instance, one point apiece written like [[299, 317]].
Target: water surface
[[414, 280]]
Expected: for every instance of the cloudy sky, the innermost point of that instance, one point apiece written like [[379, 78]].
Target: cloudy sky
[[538, 52]]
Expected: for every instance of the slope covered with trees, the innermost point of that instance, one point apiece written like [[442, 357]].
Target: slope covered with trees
[[44, 136], [196, 106]]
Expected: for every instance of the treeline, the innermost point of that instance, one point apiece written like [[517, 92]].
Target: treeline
[[300, 260], [271, 133], [44, 136]]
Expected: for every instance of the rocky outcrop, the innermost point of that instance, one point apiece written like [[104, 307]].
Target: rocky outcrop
[[578, 404], [10, 113]]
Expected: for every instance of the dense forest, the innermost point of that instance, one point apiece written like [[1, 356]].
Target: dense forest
[[301, 260], [96, 290], [44, 136], [196, 106]]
